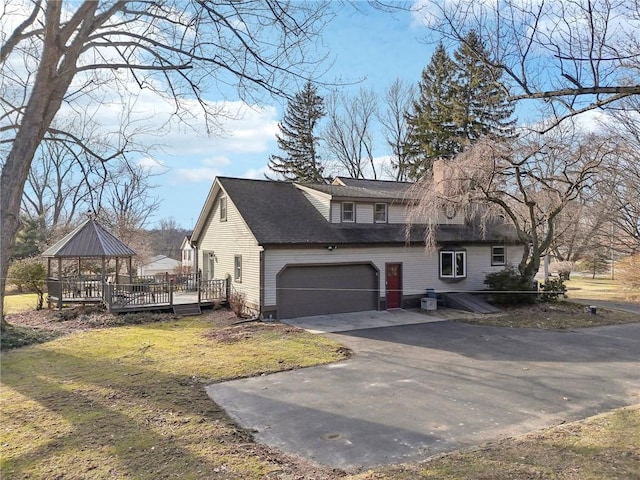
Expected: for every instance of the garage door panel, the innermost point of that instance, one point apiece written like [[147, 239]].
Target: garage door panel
[[326, 289]]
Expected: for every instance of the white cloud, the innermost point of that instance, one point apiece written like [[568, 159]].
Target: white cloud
[[193, 175], [153, 165], [257, 173]]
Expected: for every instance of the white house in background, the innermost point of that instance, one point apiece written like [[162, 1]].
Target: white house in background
[[307, 249], [188, 255], [159, 265]]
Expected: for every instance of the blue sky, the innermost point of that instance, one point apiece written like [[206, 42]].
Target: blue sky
[[369, 45]]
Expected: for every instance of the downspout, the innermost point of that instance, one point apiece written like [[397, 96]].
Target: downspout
[[262, 274]]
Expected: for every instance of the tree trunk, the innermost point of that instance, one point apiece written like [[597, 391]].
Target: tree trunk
[[44, 102]]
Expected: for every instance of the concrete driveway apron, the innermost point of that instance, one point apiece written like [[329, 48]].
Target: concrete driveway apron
[[413, 391]]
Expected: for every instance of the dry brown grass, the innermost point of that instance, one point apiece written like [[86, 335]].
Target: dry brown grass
[[602, 447], [549, 316]]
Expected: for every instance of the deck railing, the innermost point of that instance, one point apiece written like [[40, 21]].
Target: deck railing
[[214, 290], [142, 293], [76, 288], [127, 296]]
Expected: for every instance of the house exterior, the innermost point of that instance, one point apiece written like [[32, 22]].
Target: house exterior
[[159, 265], [187, 254], [301, 249]]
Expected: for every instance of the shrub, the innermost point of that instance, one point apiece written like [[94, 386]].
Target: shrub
[[552, 289], [629, 272], [29, 274], [238, 303], [510, 281]]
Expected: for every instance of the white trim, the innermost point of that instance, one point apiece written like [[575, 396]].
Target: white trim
[[386, 212], [353, 212]]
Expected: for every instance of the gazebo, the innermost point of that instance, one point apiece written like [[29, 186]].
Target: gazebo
[[80, 264]]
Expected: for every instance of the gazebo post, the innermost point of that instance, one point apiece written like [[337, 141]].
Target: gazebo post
[[60, 283], [130, 268], [117, 271]]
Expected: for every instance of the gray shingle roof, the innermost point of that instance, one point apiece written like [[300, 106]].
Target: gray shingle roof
[[278, 213], [380, 185], [365, 189], [89, 240]]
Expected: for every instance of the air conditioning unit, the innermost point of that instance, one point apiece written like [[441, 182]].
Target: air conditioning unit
[[428, 304]]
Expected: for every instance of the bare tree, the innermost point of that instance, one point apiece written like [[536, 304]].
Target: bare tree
[[528, 181], [63, 178], [349, 133], [577, 56], [624, 176], [75, 53], [398, 99], [127, 205]]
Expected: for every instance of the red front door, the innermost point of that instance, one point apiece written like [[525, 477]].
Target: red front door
[[393, 274]]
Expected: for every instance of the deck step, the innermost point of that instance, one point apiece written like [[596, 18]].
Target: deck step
[[187, 309]]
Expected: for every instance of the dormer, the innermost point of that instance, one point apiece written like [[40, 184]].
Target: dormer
[[352, 201]]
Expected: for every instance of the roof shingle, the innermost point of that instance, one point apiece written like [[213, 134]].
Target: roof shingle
[[278, 213], [89, 240]]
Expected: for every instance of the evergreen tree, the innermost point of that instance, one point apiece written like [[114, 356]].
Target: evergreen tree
[[461, 100], [30, 238], [481, 98], [301, 161], [432, 127]]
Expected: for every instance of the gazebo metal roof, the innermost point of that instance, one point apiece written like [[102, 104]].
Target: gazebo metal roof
[[89, 240]]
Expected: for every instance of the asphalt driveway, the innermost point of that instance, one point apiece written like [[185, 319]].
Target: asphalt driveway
[[412, 391]]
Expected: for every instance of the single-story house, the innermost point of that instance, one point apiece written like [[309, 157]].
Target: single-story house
[[299, 249], [159, 265]]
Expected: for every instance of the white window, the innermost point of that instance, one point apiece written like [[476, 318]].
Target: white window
[[348, 212], [498, 255], [223, 209], [453, 263], [380, 215], [237, 268]]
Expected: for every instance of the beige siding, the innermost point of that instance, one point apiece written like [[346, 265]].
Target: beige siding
[[420, 269], [321, 202], [457, 219], [226, 239], [364, 212], [336, 212], [396, 213]]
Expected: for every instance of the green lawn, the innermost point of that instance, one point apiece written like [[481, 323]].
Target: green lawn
[[20, 302], [599, 289], [129, 402]]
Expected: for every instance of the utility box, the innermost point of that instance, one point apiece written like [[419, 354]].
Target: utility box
[[428, 304]]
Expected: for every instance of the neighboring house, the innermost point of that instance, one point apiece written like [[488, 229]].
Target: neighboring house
[[159, 265], [187, 255], [300, 249]]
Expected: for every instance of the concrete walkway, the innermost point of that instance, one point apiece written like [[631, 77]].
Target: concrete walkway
[[344, 322], [416, 390]]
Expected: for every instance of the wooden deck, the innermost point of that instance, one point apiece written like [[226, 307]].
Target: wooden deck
[[139, 296]]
